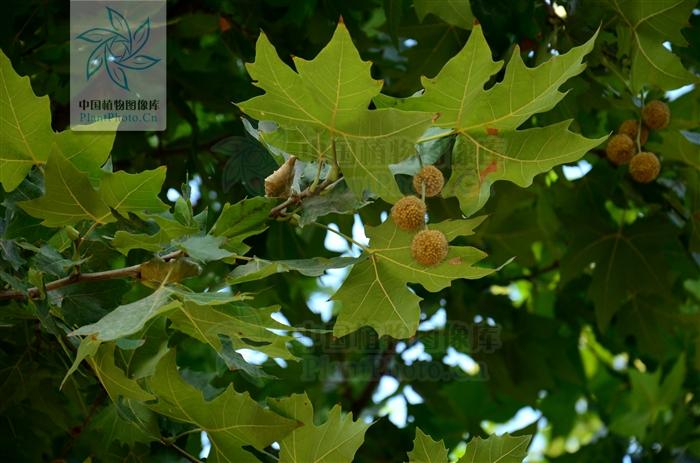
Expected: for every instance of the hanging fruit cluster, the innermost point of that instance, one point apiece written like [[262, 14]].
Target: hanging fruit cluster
[[625, 147], [429, 247]]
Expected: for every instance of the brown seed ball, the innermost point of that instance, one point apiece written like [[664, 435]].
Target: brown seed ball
[[433, 179], [429, 247], [620, 149], [629, 128], [409, 213], [645, 167], [656, 115]]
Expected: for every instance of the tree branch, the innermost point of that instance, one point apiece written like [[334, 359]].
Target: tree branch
[[78, 430], [296, 199], [127, 272], [382, 367]]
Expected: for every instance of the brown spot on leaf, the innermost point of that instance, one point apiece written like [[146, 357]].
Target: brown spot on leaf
[[455, 261], [491, 168], [224, 24], [436, 116], [491, 131]]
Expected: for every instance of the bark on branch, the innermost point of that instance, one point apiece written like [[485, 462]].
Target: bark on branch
[[133, 271]]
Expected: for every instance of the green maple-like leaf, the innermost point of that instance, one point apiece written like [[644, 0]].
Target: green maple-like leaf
[[258, 269], [496, 449], [231, 420], [341, 436], [322, 113], [375, 292], [517, 156], [25, 126], [27, 137], [205, 248], [169, 230], [172, 271], [657, 323], [241, 220], [126, 192], [676, 146], [128, 422], [455, 12], [648, 398], [692, 199], [241, 325], [70, 197], [113, 378], [488, 146], [426, 450], [130, 318], [647, 246], [339, 200], [651, 24], [89, 150]]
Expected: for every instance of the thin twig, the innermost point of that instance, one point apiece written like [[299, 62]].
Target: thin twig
[[297, 198], [78, 430], [133, 271], [341, 234], [366, 395], [184, 452]]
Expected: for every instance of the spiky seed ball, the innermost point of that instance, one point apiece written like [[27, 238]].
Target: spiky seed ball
[[620, 149], [629, 128], [433, 179], [645, 167], [429, 247], [656, 115], [409, 213]]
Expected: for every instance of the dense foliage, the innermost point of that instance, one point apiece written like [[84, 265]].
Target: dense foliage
[[238, 287]]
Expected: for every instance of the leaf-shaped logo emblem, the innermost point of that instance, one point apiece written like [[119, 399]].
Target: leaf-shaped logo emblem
[[118, 49]]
